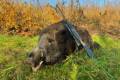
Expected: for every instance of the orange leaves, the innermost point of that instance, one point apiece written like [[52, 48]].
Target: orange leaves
[[19, 18], [50, 15]]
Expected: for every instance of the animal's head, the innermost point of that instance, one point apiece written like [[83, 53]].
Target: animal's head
[[51, 47], [35, 58], [44, 52]]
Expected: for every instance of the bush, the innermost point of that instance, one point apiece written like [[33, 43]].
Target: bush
[[24, 19]]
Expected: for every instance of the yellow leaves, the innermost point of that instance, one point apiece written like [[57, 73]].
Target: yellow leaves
[[92, 13], [50, 14], [24, 18]]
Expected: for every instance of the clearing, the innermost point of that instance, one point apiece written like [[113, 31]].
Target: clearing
[[106, 65]]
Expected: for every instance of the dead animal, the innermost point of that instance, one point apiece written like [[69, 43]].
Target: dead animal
[[55, 43]]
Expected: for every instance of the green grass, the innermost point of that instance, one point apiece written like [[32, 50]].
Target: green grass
[[106, 65]]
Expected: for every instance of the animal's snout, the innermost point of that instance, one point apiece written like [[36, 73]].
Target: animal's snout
[[36, 57]]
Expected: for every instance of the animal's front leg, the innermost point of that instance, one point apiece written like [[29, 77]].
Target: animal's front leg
[[53, 58]]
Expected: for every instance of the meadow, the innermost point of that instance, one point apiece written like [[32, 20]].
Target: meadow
[[105, 65], [21, 22]]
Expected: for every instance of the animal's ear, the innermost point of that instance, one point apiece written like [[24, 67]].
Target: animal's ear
[[44, 30]]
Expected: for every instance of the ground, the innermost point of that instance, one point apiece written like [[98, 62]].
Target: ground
[[105, 66]]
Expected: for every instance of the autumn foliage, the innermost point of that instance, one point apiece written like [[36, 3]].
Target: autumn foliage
[[27, 19], [18, 18]]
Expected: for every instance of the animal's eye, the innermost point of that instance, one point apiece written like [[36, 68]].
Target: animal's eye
[[50, 40], [30, 55]]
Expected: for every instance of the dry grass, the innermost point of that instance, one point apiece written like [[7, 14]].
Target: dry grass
[[27, 19]]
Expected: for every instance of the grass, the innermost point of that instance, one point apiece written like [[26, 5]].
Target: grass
[[106, 65]]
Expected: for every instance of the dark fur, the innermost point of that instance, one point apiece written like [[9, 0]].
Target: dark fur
[[56, 43]]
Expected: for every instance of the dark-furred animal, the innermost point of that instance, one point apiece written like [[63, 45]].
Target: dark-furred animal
[[55, 43]]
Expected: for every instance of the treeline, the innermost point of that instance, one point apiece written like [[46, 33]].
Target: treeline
[[24, 18]]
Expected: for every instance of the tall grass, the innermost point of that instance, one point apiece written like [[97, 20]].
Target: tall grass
[[14, 49], [27, 19]]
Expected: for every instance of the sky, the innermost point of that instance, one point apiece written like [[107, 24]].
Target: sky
[[82, 2], [52, 2]]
